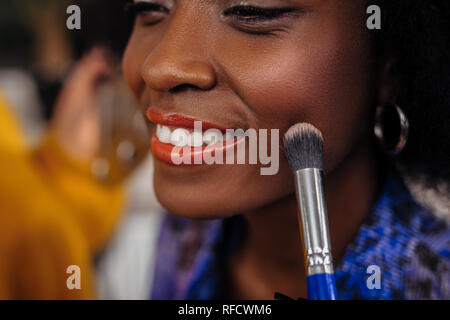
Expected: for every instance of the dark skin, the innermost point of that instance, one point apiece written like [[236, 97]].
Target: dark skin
[[313, 65]]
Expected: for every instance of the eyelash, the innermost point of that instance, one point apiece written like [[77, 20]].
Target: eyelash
[[251, 15], [243, 14], [138, 8]]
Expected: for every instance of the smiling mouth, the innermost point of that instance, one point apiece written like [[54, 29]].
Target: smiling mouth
[[188, 137]]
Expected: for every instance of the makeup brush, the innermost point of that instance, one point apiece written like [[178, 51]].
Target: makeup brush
[[303, 146]]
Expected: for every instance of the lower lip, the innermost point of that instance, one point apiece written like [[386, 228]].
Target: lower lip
[[164, 151]]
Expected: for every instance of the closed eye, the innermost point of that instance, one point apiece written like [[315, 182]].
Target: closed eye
[[147, 13], [251, 15]]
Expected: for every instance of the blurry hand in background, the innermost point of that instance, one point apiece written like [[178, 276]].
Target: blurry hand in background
[[76, 122]]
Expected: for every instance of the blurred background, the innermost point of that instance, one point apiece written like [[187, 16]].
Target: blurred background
[[73, 136]]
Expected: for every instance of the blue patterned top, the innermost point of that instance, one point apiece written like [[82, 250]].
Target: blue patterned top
[[408, 245]]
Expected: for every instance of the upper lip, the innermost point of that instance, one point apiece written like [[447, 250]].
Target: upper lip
[[178, 120]]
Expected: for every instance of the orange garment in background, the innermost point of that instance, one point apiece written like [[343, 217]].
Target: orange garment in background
[[53, 214]]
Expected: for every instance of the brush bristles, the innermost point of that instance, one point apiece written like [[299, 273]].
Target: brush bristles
[[303, 146]]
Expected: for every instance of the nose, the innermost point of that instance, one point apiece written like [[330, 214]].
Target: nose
[[180, 59]]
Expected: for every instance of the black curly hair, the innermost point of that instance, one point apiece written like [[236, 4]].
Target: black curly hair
[[415, 33], [106, 23]]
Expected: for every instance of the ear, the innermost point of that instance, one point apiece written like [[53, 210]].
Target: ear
[[386, 81]]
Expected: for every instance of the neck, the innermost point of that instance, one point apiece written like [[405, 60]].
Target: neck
[[273, 252]]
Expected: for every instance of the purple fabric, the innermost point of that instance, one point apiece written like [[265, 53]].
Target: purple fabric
[[407, 242]]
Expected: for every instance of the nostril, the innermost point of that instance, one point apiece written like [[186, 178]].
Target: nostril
[[184, 87]]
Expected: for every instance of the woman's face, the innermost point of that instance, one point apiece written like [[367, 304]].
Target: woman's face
[[242, 68]]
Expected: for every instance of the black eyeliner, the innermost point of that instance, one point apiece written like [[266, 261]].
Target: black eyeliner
[[254, 12], [138, 7]]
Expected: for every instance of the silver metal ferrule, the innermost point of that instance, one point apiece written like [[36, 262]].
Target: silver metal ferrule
[[313, 221]]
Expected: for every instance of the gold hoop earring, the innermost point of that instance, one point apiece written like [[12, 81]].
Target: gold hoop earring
[[391, 128]]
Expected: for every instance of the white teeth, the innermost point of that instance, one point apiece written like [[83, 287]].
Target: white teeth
[[212, 136], [163, 133], [196, 139], [180, 137]]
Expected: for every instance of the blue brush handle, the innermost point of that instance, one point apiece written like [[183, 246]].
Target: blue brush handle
[[321, 286]]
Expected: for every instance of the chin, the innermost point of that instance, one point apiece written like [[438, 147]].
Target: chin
[[216, 191]]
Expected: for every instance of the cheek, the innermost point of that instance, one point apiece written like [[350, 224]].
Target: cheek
[[129, 69], [133, 58], [326, 84]]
